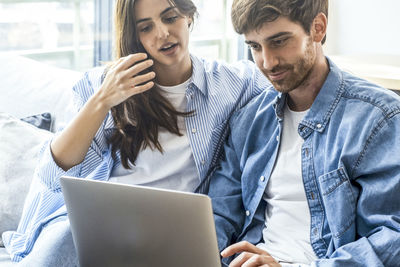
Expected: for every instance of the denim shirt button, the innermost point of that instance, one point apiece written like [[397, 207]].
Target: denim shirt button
[[277, 138], [262, 178], [319, 126], [247, 213]]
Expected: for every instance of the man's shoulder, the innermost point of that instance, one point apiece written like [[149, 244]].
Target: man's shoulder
[[370, 94], [261, 105]]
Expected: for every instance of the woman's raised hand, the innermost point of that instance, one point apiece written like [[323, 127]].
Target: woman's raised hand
[[123, 79]]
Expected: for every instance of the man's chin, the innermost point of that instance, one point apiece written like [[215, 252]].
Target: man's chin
[[281, 87]]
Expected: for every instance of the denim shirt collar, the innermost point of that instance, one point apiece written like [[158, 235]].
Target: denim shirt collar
[[323, 106]]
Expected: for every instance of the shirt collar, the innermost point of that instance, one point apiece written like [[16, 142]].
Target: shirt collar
[[324, 104], [199, 75]]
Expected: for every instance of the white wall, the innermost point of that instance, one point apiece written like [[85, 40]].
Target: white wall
[[364, 27]]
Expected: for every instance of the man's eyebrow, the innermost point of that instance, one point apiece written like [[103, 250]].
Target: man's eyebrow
[[249, 42], [277, 35], [162, 13]]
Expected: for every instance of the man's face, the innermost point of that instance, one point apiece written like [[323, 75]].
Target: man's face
[[284, 52]]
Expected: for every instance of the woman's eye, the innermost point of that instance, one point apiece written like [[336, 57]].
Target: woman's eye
[[171, 19], [145, 29]]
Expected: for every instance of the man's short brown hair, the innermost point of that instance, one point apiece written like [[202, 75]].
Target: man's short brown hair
[[248, 15]]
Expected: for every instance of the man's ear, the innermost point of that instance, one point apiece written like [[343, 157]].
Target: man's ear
[[318, 27]]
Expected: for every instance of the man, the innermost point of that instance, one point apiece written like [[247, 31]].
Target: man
[[311, 176]]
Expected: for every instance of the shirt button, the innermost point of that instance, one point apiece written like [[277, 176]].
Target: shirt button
[[319, 126], [203, 162], [277, 138], [262, 178], [194, 130], [247, 213]]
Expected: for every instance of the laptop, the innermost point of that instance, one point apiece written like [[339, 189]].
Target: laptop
[[125, 225]]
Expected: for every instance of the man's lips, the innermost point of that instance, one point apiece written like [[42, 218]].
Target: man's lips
[[276, 76]]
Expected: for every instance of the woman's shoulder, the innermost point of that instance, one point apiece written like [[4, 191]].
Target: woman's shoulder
[[90, 82], [241, 68]]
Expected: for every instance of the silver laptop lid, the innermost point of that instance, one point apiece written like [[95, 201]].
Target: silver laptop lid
[[124, 225]]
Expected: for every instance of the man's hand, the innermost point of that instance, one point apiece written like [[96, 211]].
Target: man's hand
[[250, 256]]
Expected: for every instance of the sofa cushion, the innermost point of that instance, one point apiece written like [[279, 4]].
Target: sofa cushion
[[5, 260], [29, 87], [20, 143]]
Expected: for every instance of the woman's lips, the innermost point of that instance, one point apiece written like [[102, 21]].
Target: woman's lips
[[170, 51]]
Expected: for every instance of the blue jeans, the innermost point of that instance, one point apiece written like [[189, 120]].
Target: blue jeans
[[54, 247]]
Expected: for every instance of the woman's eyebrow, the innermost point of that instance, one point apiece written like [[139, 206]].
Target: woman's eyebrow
[[162, 13]]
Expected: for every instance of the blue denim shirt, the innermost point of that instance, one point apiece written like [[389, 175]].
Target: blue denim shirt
[[350, 171]]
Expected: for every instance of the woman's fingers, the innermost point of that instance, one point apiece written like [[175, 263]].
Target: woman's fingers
[[140, 88], [140, 79], [138, 67], [130, 60], [122, 80]]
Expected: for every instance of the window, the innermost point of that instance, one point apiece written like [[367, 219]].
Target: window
[[56, 32], [213, 35], [76, 34], [366, 43]]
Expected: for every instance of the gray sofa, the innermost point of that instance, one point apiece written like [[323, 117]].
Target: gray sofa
[[27, 88]]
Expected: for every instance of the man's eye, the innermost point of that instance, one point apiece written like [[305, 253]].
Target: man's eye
[[279, 42], [254, 46]]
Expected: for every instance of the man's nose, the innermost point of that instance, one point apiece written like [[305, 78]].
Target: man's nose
[[269, 60]]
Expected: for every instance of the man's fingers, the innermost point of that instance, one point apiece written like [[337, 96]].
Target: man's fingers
[[257, 260], [241, 259], [242, 246]]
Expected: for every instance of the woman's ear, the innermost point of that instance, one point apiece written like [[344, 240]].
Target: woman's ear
[[318, 27], [190, 21]]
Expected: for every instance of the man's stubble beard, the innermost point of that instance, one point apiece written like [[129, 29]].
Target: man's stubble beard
[[300, 71]]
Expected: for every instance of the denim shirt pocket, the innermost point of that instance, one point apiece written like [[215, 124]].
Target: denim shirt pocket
[[340, 205]]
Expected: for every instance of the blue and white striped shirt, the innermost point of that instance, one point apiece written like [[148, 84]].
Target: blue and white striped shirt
[[216, 90]]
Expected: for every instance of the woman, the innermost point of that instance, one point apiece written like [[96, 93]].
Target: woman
[[156, 116]]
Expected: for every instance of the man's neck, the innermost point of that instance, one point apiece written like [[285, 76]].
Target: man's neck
[[301, 98]]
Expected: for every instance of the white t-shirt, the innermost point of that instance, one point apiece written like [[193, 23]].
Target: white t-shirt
[[287, 225], [175, 167]]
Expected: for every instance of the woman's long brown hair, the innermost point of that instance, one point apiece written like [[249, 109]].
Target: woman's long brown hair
[[139, 119]]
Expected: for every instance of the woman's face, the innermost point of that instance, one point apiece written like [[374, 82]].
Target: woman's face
[[163, 32]]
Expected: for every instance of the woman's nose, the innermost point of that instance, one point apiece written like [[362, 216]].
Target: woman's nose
[[162, 31]]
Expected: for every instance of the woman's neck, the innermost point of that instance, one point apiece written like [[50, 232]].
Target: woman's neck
[[174, 74]]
